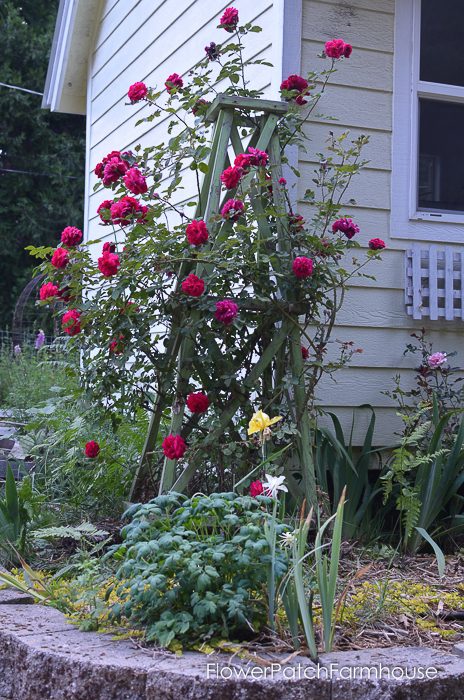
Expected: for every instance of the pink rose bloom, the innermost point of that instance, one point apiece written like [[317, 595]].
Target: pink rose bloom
[[71, 322], [135, 181], [109, 247], [336, 48], [226, 311], [113, 171], [71, 236], [232, 209], [376, 244], [173, 82], [256, 488], [109, 264], [104, 211], [48, 291], [229, 20], [297, 83], [124, 211], [243, 160], [282, 181], [231, 177], [345, 226], [302, 267], [60, 258], [258, 157], [196, 232], [137, 92], [437, 360]]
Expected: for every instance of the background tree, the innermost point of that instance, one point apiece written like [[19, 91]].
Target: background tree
[[41, 154]]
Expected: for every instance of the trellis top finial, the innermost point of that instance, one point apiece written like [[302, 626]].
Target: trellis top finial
[[245, 104]]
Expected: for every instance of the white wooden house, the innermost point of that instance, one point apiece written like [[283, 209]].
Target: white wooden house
[[403, 86]]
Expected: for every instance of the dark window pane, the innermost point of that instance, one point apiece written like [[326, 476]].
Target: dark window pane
[[441, 156], [442, 55]]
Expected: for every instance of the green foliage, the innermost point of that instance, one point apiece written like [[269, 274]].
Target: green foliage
[[339, 465], [18, 507], [82, 532], [425, 478], [37, 203], [195, 569]]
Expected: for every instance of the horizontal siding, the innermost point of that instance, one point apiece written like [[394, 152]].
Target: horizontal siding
[[387, 425]]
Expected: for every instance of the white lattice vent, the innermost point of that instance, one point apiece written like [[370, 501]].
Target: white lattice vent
[[435, 283]]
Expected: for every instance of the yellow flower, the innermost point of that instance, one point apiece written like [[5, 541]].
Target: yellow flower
[[260, 421]]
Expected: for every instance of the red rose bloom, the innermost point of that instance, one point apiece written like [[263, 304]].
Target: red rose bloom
[[92, 449], [60, 258], [71, 236], [229, 20], [48, 291], [200, 106], [257, 157], [174, 446], [173, 82], [197, 402], [135, 181], [109, 264], [231, 177], [113, 171], [193, 286], [137, 92], [256, 488], [196, 232], [117, 346], [226, 311], [104, 211], [295, 83], [124, 211], [212, 51], [304, 352], [243, 160], [345, 226], [282, 181], [336, 48], [302, 267], [376, 244], [109, 247], [232, 209], [70, 322]]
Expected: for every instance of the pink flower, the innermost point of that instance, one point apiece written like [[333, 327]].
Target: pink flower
[[71, 236], [109, 264], [109, 247], [48, 291], [336, 48], [193, 286], [232, 209], [257, 157], [196, 232], [92, 449], [113, 171], [304, 352], [173, 82], [135, 181], [229, 20], [174, 446], [124, 211], [243, 160], [71, 322], [345, 226], [437, 360], [197, 402], [302, 267], [296, 222], [231, 177], [137, 92], [282, 181], [256, 488], [60, 258], [295, 84], [376, 244], [226, 311], [104, 211]]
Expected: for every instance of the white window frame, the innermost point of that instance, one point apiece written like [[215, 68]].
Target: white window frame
[[406, 220]]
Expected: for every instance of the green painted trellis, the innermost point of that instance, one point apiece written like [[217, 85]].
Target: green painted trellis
[[261, 118]]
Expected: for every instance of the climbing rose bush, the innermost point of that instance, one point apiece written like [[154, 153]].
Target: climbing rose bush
[[226, 278]]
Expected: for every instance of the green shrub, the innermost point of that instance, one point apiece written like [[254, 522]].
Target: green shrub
[[195, 569]]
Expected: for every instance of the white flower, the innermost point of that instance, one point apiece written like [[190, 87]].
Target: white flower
[[288, 538], [273, 484]]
